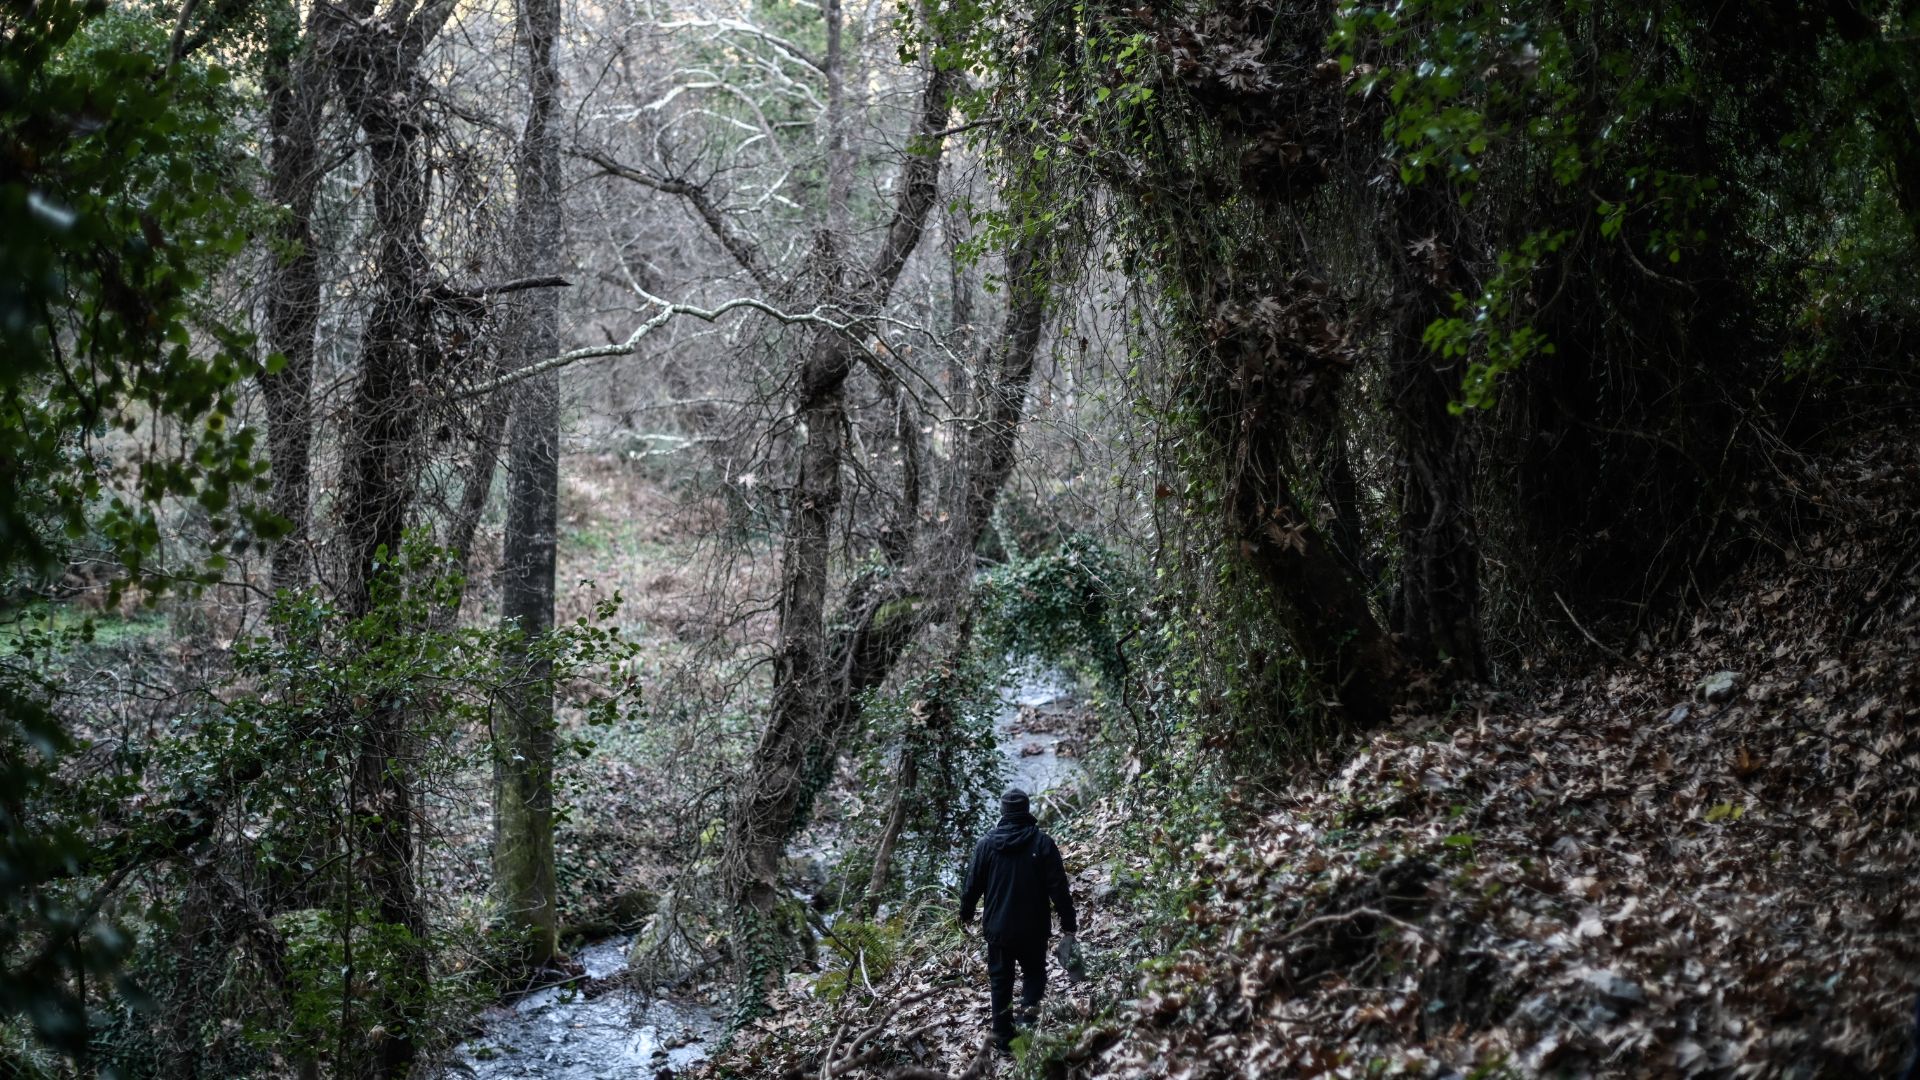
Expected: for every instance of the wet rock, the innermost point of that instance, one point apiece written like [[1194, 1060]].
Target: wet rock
[[1718, 687]]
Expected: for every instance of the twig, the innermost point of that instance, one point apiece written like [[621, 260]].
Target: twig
[[1347, 916], [1597, 643]]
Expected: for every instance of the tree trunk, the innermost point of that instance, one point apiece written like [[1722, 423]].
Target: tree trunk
[[805, 707], [1320, 603], [1275, 355], [523, 757], [296, 79], [380, 86], [1436, 607], [904, 780], [820, 678], [477, 487]]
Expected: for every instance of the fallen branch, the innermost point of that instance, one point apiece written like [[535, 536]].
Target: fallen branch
[[830, 1068], [1348, 916]]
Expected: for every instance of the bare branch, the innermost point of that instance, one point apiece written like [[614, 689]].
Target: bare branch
[[781, 44], [919, 180], [742, 249], [815, 317], [447, 291]]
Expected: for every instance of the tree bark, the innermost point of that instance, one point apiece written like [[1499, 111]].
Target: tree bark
[[905, 777], [1275, 356], [819, 684], [376, 72], [523, 757], [1436, 609], [296, 78], [804, 709]]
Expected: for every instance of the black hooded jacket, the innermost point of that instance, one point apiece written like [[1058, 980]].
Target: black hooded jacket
[[1017, 870]]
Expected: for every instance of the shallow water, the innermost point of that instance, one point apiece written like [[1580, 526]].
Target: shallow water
[[561, 1033], [1037, 700]]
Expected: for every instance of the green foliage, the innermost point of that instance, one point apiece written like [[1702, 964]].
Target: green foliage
[[1542, 95], [261, 787], [1567, 110], [128, 188], [944, 719], [860, 954], [1065, 606], [124, 186], [1493, 331]]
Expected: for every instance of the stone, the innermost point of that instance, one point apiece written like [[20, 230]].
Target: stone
[[1719, 687]]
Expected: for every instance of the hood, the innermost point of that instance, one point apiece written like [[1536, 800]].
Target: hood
[[1015, 832]]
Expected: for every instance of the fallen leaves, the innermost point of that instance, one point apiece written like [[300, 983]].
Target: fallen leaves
[[1699, 863]]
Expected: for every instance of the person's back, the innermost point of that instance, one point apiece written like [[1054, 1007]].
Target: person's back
[[1017, 872]]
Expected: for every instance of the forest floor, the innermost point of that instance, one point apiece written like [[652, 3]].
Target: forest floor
[[1694, 860]]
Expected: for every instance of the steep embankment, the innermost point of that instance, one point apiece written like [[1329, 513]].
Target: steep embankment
[[1696, 861]]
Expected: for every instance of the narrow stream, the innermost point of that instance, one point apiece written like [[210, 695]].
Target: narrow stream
[[570, 1033], [603, 1028]]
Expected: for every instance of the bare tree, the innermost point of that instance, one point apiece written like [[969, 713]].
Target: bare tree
[[296, 76], [376, 71], [523, 752], [806, 710]]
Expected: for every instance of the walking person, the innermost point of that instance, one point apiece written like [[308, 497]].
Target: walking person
[[1017, 872]]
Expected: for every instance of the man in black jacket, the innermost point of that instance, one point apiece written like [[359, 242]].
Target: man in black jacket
[[1016, 869]]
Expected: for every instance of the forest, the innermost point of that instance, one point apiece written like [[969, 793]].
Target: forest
[[539, 537]]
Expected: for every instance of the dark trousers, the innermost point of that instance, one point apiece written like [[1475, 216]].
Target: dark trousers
[[1002, 957]]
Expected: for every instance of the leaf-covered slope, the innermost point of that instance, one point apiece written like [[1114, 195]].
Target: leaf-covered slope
[[1697, 861], [1660, 869]]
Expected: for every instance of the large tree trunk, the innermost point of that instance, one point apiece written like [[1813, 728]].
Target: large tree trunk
[[1275, 357], [1319, 602], [379, 84], [523, 756], [764, 816], [820, 677], [1436, 609], [296, 79]]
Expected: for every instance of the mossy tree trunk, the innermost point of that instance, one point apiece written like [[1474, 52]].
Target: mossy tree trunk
[[523, 852], [376, 69]]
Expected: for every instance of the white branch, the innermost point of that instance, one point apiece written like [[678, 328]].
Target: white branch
[[631, 345], [786, 48]]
